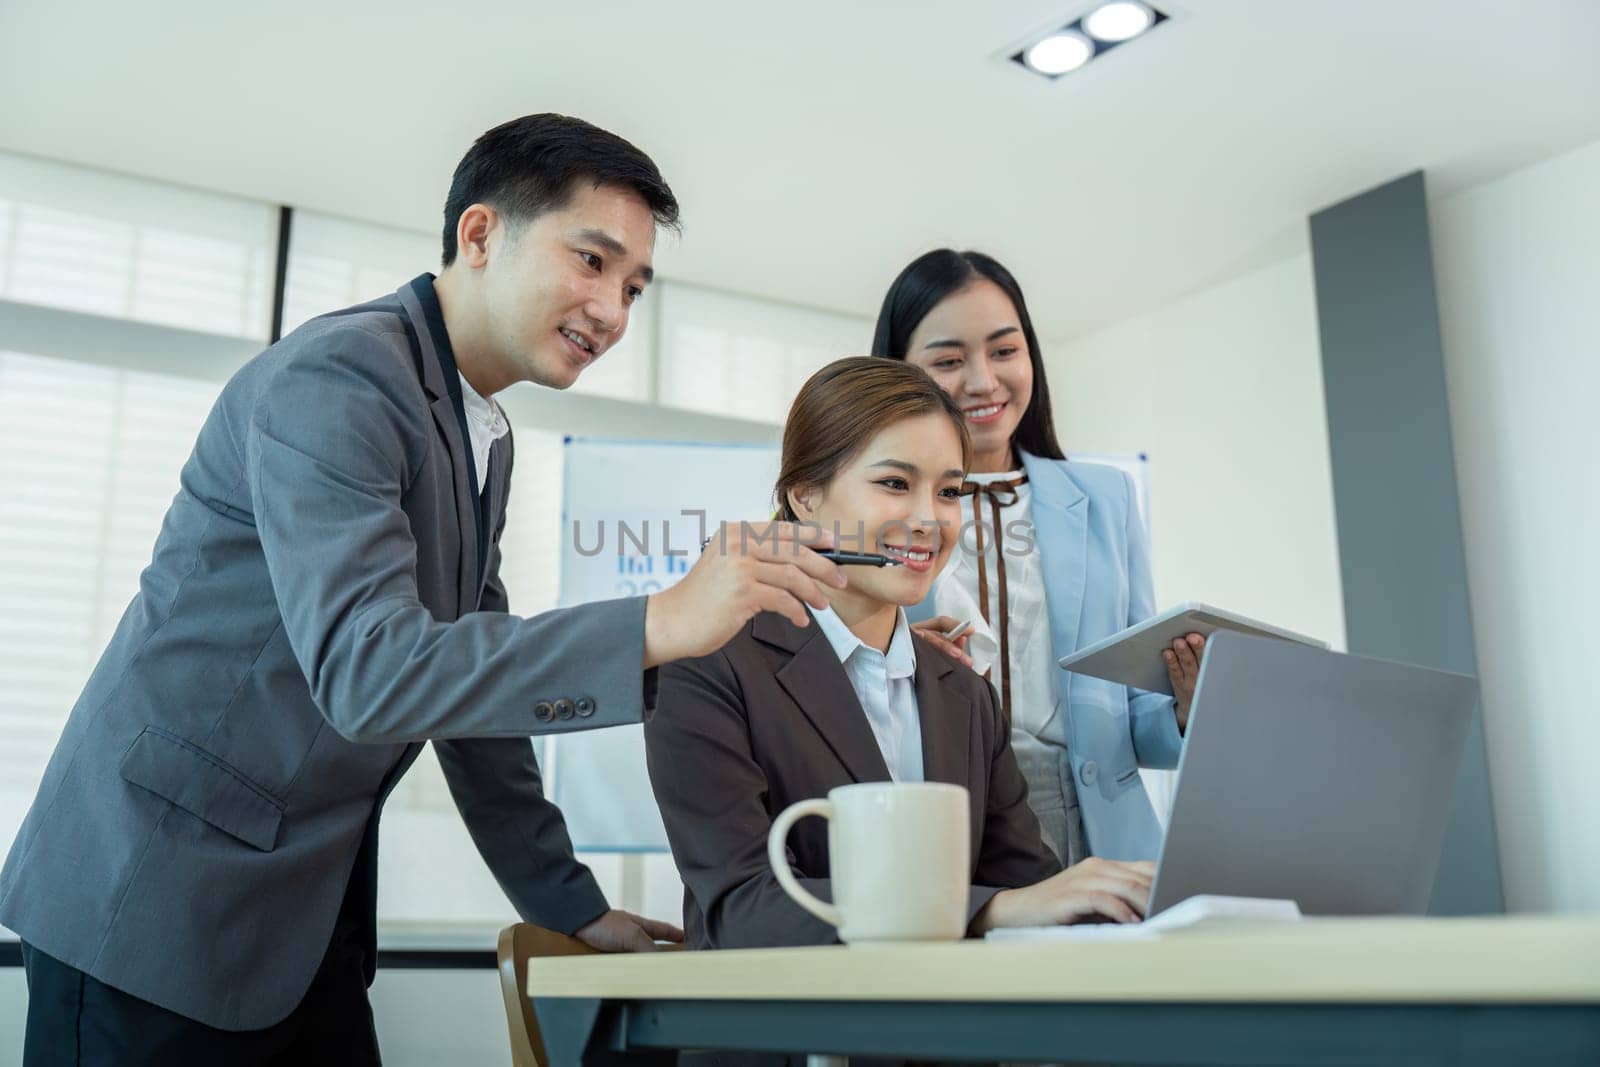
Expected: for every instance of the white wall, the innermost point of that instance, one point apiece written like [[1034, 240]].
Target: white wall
[[1223, 391], [1518, 266]]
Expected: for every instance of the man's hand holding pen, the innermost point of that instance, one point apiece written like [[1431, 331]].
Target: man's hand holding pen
[[746, 568]]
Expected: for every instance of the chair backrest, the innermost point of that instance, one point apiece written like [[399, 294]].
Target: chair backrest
[[519, 944]]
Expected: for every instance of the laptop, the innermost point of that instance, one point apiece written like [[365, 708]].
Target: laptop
[[1314, 776]]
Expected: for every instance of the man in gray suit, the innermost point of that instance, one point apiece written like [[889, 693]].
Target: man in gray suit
[[196, 879]]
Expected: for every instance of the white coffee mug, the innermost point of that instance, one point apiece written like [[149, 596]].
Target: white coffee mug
[[901, 860]]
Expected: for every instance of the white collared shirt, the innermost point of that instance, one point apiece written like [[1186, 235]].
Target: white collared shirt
[[1035, 684], [885, 683], [486, 424]]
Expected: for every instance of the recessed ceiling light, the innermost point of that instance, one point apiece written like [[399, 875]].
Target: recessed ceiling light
[[1063, 48], [1060, 53], [1121, 20]]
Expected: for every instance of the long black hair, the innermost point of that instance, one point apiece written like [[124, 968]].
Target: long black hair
[[918, 290]]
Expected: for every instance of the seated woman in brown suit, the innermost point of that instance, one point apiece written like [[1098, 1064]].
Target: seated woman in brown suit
[[875, 452]]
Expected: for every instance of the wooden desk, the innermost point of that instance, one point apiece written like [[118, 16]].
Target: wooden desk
[[1493, 991]]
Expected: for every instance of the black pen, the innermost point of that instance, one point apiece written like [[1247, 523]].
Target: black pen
[[843, 559], [859, 559]]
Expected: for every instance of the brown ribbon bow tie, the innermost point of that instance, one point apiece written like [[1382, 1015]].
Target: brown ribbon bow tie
[[1000, 495]]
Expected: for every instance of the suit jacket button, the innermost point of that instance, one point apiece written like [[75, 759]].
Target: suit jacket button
[[564, 708], [585, 707], [1089, 773], [544, 711]]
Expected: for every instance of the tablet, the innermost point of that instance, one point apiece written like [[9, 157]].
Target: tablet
[[1133, 657]]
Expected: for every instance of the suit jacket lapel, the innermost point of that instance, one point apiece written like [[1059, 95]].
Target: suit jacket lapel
[[1061, 531], [446, 418], [815, 680], [946, 717]]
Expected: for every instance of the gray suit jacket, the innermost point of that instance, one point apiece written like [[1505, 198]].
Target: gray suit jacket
[[771, 719], [318, 604]]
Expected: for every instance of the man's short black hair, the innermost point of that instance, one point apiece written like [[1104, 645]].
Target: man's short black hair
[[530, 165]]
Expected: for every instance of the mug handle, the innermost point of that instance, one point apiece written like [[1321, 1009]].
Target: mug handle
[[777, 855]]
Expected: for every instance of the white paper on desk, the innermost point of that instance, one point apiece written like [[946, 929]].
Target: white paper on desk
[[1191, 912]]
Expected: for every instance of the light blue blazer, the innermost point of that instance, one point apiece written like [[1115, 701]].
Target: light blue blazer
[[1096, 565]]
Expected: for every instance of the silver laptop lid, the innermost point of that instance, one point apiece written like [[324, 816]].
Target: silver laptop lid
[[1315, 776]]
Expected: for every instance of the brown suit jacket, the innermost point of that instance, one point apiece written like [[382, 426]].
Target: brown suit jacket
[[770, 719]]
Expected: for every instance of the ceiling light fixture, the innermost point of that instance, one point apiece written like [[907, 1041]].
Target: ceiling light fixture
[[1122, 20], [1060, 53], [1060, 50]]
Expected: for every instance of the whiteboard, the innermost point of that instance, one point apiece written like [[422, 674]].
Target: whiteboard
[[625, 533], [1136, 465]]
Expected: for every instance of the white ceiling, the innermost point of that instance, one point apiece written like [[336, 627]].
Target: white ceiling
[[816, 147]]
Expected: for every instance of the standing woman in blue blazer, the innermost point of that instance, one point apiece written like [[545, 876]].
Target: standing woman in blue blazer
[[1051, 557]]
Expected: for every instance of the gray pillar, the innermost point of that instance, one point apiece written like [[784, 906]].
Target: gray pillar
[[1394, 482]]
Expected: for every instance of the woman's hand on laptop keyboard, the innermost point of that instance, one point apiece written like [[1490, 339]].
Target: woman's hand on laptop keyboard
[[1095, 890]]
